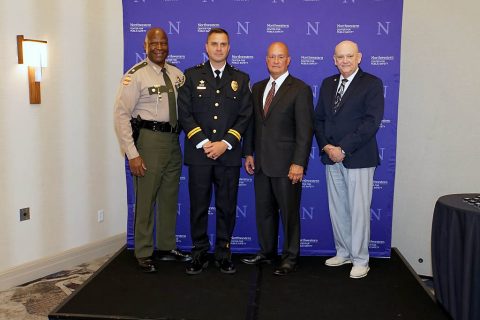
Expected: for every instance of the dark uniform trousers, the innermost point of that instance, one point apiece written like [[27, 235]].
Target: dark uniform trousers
[[162, 156], [225, 183]]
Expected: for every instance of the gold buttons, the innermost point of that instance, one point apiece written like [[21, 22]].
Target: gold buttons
[[216, 104], [215, 117], [214, 130], [218, 91]]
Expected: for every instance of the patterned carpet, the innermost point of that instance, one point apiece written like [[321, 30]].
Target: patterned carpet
[[34, 300]]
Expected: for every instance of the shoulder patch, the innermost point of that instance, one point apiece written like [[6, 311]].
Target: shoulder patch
[[126, 80], [137, 67]]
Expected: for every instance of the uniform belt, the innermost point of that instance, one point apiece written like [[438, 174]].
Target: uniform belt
[[159, 126]]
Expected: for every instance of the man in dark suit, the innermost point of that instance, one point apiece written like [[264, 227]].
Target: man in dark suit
[[347, 118], [277, 148], [214, 108]]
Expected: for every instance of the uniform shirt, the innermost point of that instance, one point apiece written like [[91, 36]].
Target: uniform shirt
[[214, 112], [142, 93]]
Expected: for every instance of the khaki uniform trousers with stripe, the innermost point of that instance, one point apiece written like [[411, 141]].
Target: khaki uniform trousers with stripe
[[157, 191]]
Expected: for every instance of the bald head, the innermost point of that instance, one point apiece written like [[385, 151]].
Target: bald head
[[347, 57], [278, 59], [156, 46]]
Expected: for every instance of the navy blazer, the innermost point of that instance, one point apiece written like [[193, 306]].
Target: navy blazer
[[354, 126], [283, 136]]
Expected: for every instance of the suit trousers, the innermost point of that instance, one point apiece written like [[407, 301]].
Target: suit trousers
[[271, 195], [349, 200], [224, 179], [159, 187]]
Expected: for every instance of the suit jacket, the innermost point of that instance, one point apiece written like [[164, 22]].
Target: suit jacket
[[284, 135], [354, 126], [208, 111]]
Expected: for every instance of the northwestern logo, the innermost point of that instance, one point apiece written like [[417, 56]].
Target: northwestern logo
[[212, 239], [140, 57], [307, 213], [175, 27], [312, 153], [380, 153], [311, 27], [314, 90], [242, 212], [243, 27], [376, 214], [385, 27]]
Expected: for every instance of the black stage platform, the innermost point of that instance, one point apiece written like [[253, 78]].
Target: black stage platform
[[119, 291]]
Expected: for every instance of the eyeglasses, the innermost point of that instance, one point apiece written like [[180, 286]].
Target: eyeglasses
[[279, 57], [348, 57]]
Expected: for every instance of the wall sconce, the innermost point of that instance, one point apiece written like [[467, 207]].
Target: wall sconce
[[33, 53]]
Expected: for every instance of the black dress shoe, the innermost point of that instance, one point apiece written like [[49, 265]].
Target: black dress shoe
[[284, 269], [256, 259], [196, 265], [147, 265], [172, 255], [226, 266]]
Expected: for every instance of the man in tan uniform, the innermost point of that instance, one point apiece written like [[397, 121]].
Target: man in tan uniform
[[146, 107]]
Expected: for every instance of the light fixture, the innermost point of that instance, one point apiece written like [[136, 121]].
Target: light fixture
[[33, 53]]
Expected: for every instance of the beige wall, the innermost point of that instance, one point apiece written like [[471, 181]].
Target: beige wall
[[61, 158], [439, 118]]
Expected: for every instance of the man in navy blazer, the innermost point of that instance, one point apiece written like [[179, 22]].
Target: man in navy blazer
[[277, 147], [347, 118]]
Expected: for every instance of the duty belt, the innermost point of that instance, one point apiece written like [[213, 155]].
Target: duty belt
[[159, 126]]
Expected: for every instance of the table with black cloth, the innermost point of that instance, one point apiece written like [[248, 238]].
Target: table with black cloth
[[456, 255]]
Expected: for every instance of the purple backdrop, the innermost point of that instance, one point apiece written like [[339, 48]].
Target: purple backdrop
[[311, 29]]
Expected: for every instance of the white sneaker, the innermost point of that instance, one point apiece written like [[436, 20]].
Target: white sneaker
[[359, 272], [337, 261]]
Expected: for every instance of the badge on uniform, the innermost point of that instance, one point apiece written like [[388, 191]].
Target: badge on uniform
[[201, 85], [234, 85]]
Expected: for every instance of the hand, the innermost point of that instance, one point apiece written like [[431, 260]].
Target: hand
[[137, 166], [334, 153], [213, 150], [249, 165], [295, 173]]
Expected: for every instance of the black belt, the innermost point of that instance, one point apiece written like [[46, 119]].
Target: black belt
[[159, 126]]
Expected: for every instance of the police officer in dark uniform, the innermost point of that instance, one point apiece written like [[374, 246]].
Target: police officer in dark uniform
[[214, 110]]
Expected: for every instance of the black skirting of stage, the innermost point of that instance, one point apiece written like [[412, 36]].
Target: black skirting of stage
[[119, 291]]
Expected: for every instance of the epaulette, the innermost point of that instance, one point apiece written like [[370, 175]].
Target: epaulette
[[237, 70], [198, 66], [137, 67]]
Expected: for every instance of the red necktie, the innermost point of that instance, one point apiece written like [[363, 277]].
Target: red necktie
[[269, 98]]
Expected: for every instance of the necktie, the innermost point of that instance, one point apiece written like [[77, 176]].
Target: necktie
[[172, 108], [217, 77], [269, 98], [339, 95]]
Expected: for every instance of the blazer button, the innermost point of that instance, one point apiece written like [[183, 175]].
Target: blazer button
[[215, 117], [216, 104], [214, 130]]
